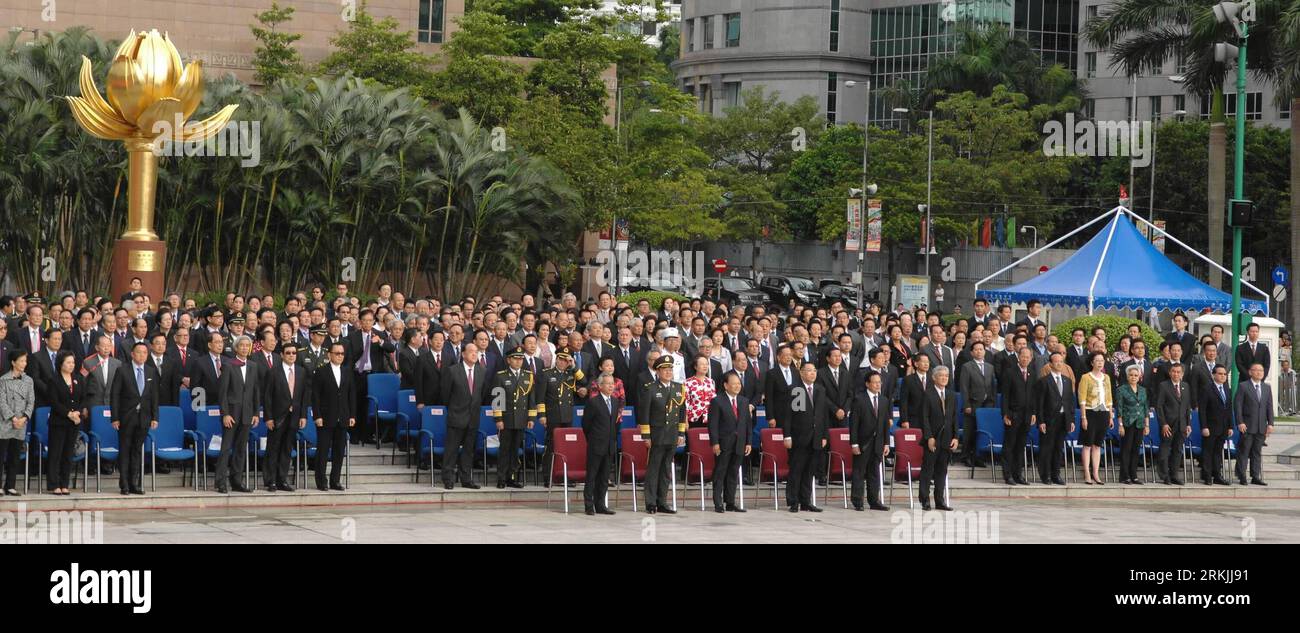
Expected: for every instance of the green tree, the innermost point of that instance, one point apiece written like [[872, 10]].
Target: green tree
[[275, 56], [574, 55], [475, 76], [532, 20], [376, 49]]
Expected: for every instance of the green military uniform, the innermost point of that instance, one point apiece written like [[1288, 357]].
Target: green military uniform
[[517, 397], [665, 423], [313, 361], [556, 391]]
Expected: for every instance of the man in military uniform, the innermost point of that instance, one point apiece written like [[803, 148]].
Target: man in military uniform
[[664, 402], [555, 394], [513, 390], [236, 330]]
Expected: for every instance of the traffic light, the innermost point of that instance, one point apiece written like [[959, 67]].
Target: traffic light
[[1241, 213]]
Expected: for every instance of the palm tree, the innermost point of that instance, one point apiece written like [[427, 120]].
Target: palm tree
[[988, 56]]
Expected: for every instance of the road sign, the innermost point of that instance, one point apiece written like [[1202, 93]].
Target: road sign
[[1279, 293], [719, 266], [1281, 276]]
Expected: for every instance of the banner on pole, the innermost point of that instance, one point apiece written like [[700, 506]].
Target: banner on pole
[[853, 241], [874, 224]]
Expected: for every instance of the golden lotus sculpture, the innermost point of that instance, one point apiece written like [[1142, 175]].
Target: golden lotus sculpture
[[149, 93]]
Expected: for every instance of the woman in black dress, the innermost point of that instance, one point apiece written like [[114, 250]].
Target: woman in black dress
[[66, 400]]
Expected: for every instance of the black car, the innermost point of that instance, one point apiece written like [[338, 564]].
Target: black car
[[847, 295], [783, 288], [734, 291]]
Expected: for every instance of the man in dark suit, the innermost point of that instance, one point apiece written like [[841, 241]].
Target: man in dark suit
[[1173, 405], [169, 371], [135, 411], [731, 427], [335, 412], [978, 387], [241, 390], [1253, 407], [29, 334], [1033, 317], [1201, 375], [878, 359], [1017, 415], [1139, 352], [205, 371], [1215, 408], [805, 429], [780, 380], [1054, 403], [751, 387], [41, 367], [939, 436], [139, 333], [868, 435], [837, 381], [911, 401], [600, 424], [1252, 351], [1182, 337], [286, 413], [81, 341], [627, 361], [1076, 355], [369, 350], [938, 352], [463, 387]]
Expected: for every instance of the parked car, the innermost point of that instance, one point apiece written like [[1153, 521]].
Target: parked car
[[734, 291], [782, 288], [641, 284], [848, 295]]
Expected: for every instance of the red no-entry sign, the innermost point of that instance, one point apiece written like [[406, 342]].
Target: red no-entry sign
[[719, 266]]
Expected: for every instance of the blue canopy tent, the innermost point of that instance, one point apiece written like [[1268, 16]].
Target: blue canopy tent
[[1120, 269]]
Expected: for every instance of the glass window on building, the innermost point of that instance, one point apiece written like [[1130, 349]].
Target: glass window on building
[[430, 27], [706, 25], [1090, 62], [730, 94], [1154, 103], [733, 30], [832, 94], [835, 26], [1089, 108], [1092, 12], [1180, 103], [688, 29], [1284, 112]]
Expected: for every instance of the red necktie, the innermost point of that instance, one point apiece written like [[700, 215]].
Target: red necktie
[[471, 380], [734, 410]]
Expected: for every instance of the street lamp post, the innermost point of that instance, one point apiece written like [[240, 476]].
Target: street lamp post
[[613, 223], [929, 181], [1029, 227], [866, 190], [1223, 52]]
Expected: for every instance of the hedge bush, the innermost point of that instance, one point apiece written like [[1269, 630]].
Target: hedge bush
[[655, 297], [1115, 328]]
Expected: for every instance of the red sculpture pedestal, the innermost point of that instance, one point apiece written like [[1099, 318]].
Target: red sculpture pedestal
[[138, 258]]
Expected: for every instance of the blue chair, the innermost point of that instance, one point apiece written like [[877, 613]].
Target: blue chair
[[167, 442], [433, 429], [487, 427], [1193, 446], [577, 415], [186, 403], [208, 426], [1033, 449], [381, 402], [103, 440], [1151, 445], [408, 423], [40, 434], [989, 436]]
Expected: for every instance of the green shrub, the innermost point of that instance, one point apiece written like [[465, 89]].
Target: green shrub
[[949, 319], [1115, 328], [655, 297]]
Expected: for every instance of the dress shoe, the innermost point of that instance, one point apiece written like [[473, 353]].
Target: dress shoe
[[241, 488], [1058, 481], [220, 490], [1258, 482], [1165, 481], [810, 508], [943, 506], [735, 509], [1138, 482], [1099, 482], [1178, 482], [1045, 481], [515, 484], [591, 512], [270, 488], [719, 509], [880, 507], [448, 486], [1009, 481], [650, 510], [127, 492], [794, 508], [322, 487], [858, 508], [337, 487], [605, 511], [665, 510], [284, 487], [501, 485], [1242, 482], [137, 491], [1021, 481], [926, 506], [470, 486], [1220, 481], [1206, 481]]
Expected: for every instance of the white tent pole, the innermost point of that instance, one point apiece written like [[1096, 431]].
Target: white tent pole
[[1101, 261], [1198, 254], [1047, 246]]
